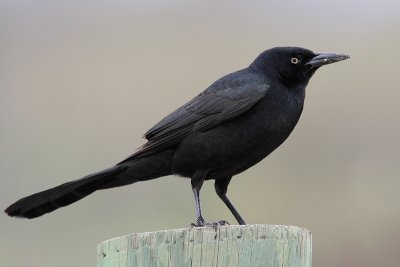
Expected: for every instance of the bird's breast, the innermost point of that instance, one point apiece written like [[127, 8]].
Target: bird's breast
[[238, 144]]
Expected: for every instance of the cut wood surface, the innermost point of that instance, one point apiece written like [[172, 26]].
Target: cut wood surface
[[223, 246]]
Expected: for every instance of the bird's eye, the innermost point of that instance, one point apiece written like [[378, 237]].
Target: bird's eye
[[294, 60]]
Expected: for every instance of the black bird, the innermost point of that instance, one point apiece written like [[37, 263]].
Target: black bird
[[235, 123]]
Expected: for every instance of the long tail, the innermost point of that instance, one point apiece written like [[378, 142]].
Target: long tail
[[140, 169]]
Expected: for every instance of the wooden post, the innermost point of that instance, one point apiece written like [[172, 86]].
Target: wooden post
[[223, 246]]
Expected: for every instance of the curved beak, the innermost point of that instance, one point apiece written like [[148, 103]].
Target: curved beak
[[325, 58]]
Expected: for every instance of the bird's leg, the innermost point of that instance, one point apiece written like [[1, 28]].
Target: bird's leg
[[221, 187], [196, 186]]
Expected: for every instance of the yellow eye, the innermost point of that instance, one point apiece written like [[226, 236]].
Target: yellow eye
[[294, 60]]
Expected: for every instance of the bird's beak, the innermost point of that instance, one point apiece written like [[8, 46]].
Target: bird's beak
[[325, 58]]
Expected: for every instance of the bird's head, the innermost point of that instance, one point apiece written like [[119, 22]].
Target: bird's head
[[293, 65]]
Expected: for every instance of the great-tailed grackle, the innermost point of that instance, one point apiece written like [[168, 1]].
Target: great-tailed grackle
[[235, 123]]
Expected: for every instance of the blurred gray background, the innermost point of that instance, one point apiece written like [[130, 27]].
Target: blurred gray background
[[81, 81]]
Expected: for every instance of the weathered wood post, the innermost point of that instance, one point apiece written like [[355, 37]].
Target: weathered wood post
[[223, 246]]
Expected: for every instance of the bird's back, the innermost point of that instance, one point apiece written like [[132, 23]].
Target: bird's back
[[239, 143]]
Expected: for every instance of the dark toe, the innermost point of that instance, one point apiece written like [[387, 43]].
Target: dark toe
[[202, 223], [223, 223]]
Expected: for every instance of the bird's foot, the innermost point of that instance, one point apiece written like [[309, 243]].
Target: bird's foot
[[202, 223], [223, 223]]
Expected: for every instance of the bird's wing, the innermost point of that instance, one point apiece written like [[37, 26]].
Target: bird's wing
[[225, 99]]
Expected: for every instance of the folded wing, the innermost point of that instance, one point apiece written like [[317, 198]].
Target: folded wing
[[224, 100]]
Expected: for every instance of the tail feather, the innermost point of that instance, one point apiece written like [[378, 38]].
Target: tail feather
[[129, 172], [49, 200]]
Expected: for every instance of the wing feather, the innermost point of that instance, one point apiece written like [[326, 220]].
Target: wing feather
[[225, 99]]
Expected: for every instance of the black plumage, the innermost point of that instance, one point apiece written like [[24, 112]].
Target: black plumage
[[235, 123]]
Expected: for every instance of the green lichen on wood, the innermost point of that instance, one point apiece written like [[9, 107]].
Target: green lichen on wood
[[223, 246]]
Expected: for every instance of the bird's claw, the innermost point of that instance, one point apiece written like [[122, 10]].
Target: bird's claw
[[223, 223], [202, 223]]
